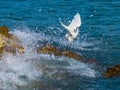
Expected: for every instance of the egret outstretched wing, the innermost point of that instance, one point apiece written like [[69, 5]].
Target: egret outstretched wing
[[76, 22], [72, 28]]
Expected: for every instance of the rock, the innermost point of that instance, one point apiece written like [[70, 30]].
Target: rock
[[53, 50], [2, 43], [19, 47], [49, 49], [4, 31], [112, 71], [92, 61], [11, 50], [72, 55], [8, 42]]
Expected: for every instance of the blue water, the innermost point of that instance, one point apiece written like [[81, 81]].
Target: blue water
[[99, 38]]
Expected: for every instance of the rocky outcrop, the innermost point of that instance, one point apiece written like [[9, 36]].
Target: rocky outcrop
[[8, 42], [72, 55], [112, 71], [49, 49], [11, 44]]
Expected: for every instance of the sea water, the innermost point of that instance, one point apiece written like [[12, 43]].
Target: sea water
[[36, 23]]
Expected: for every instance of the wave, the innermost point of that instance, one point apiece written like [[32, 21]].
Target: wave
[[21, 70]]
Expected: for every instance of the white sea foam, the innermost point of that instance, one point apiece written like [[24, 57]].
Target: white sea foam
[[17, 71]]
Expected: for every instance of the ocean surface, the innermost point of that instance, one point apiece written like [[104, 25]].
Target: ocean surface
[[37, 22]]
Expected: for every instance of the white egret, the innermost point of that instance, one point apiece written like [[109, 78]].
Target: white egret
[[72, 28]]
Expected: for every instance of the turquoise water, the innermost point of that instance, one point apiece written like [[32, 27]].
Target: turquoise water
[[37, 22]]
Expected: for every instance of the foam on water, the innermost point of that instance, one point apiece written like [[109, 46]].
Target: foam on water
[[20, 70]]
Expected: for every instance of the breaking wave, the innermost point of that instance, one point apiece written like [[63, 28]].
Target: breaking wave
[[22, 70]]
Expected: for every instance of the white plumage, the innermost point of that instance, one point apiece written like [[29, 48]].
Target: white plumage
[[73, 27]]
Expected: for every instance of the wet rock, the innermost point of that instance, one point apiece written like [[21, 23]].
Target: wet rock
[[19, 47], [112, 71], [4, 31], [72, 55], [8, 42], [49, 49], [53, 50], [2, 43], [11, 50], [92, 61]]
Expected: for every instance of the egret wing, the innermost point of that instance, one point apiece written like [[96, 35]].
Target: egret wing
[[76, 23]]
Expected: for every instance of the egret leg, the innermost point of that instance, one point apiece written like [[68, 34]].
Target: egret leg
[[68, 46]]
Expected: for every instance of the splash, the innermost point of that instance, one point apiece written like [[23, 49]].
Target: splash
[[21, 70]]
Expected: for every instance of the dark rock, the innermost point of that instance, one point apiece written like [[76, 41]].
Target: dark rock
[[53, 50], [8, 42], [72, 55], [112, 71], [49, 49]]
